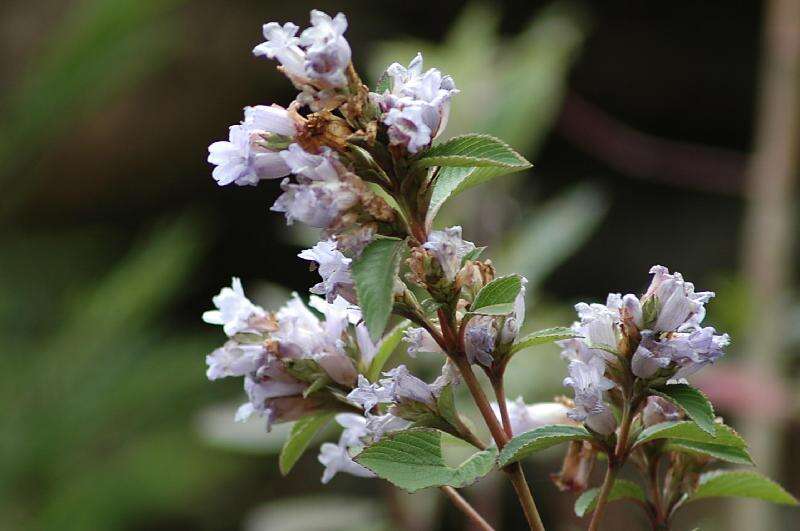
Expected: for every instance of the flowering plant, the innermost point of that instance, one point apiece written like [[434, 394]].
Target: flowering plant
[[363, 167]]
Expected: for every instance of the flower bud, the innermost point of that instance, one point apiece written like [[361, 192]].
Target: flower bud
[[659, 410], [473, 276], [577, 467], [480, 339]]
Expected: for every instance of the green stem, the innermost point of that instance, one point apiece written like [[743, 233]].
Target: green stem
[[615, 462], [602, 499]]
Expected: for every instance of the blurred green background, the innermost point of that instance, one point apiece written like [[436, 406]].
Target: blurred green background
[[639, 120]]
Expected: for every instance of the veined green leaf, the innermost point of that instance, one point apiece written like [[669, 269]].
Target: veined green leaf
[[541, 337], [692, 401], [374, 273], [446, 405], [538, 439], [690, 431], [385, 349], [473, 254], [731, 454], [303, 431], [503, 290], [473, 150], [622, 489], [467, 161], [412, 460], [742, 484], [494, 309]]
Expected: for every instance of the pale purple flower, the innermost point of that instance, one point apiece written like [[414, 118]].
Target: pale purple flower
[[694, 350], [234, 359], [417, 105], [318, 204], [310, 167], [420, 340], [576, 348], [269, 120], [327, 51], [678, 304], [367, 395], [333, 267], [599, 324], [450, 376], [273, 393], [336, 458], [366, 347], [234, 311], [378, 425], [513, 322], [525, 417], [405, 387], [658, 410], [645, 362], [407, 127], [355, 428], [316, 61], [449, 249], [480, 339], [588, 382], [243, 160], [282, 44]]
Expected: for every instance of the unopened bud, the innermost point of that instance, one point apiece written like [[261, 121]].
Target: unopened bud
[[577, 467], [659, 410]]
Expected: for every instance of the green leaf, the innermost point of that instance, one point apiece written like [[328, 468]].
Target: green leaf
[[503, 290], [412, 460], [384, 83], [541, 337], [473, 254], [385, 349], [320, 382], [374, 273], [473, 150], [494, 309], [303, 432], [742, 484], [692, 401], [466, 161], [622, 489], [538, 439], [689, 431], [446, 405], [731, 454]]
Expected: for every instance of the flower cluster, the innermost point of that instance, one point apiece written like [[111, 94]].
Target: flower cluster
[[281, 354], [658, 336], [325, 146], [272, 142], [415, 105]]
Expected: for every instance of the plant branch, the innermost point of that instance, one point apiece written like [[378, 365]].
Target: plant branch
[[615, 462], [465, 507], [516, 475], [500, 394]]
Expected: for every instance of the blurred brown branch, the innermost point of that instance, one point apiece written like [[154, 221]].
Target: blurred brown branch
[[768, 233], [637, 154]]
